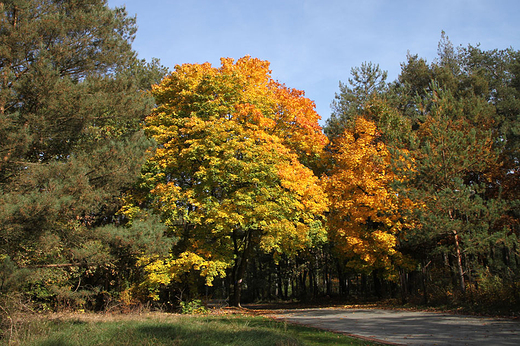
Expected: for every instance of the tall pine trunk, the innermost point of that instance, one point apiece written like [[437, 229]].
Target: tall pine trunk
[[460, 269]]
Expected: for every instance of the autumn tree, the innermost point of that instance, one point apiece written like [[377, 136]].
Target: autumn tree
[[454, 119], [365, 221], [231, 174]]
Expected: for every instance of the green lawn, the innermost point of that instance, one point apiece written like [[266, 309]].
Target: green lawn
[[165, 329]]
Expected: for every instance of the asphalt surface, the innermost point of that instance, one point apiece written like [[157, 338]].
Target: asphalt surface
[[399, 327]]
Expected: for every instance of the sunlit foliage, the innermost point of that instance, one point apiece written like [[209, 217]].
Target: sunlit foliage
[[231, 174]]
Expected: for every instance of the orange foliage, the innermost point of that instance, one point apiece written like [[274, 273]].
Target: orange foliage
[[365, 217], [231, 169]]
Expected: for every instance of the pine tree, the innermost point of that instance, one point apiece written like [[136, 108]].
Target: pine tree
[[72, 97], [463, 144], [367, 81]]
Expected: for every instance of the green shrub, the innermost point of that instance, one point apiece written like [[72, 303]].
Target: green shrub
[[193, 307]]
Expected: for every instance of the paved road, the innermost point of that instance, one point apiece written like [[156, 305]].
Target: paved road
[[409, 327]]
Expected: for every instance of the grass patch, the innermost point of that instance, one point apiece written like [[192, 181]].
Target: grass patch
[[164, 329]]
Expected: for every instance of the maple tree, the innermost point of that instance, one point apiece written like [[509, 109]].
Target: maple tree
[[231, 175], [421, 176], [365, 219]]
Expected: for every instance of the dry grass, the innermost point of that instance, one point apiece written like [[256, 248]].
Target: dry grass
[[222, 327]]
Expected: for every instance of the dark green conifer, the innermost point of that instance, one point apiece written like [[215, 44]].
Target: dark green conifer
[[73, 95]]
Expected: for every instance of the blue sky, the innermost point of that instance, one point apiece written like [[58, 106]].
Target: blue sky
[[313, 44]]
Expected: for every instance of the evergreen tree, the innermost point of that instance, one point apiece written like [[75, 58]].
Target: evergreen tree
[[367, 81], [72, 97], [462, 114], [454, 154]]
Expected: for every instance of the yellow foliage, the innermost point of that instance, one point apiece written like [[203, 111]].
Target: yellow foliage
[[365, 217], [232, 167], [161, 271]]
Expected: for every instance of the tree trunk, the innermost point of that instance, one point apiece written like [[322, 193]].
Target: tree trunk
[[303, 285], [460, 269], [237, 283], [404, 285], [343, 287], [286, 289], [311, 283], [279, 292], [424, 279], [378, 289], [364, 286], [328, 284], [239, 268]]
